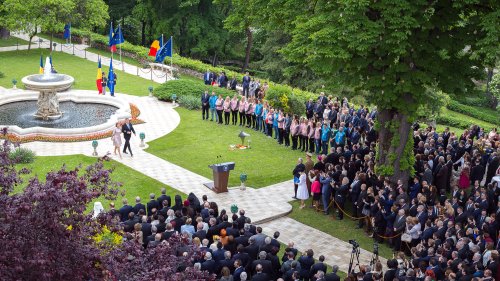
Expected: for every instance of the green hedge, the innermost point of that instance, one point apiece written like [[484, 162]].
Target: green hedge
[[485, 115], [453, 121], [187, 88]]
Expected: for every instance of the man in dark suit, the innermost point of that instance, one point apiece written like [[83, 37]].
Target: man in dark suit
[[265, 265], [204, 104], [238, 269], [322, 99], [260, 275], [246, 84], [340, 196], [449, 166], [127, 130], [209, 263], [333, 276], [152, 204], [125, 210], [320, 265], [492, 167], [201, 234], [477, 172], [164, 197], [138, 205]]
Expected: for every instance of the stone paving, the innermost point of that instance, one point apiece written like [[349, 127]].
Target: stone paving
[[266, 206]]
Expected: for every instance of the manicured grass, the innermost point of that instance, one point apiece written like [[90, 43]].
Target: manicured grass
[[134, 182], [17, 64], [471, 120], [344, 229], [12, 41], [195, 144]]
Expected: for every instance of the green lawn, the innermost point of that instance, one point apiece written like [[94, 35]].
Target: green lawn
[[12, 41], [134, 182], [195, 144], [344, 229], [17, 64]]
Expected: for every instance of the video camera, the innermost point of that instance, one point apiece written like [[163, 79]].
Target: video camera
[[354, 243]]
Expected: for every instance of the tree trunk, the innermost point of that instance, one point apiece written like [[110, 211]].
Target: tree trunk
[[248, 48], [4, 33], [389, 156], [143, 33], [493, 102]]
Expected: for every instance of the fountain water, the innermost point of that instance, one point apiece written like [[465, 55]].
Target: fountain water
[[48, 84]]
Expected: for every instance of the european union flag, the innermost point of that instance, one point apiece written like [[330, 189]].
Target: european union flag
[[118, 37], [67, 31], [165, 51], [111, 79]]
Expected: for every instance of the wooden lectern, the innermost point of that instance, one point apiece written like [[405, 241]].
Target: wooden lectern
[[221, 176]]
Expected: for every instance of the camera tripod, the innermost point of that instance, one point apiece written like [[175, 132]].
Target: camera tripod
[[354, 253], [374, 259]]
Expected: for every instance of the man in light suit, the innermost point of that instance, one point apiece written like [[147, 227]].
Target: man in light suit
[[207, 77], [399, 227], [127, 130]]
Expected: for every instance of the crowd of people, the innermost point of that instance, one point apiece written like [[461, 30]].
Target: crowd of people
[[229, 246], [444, 217]]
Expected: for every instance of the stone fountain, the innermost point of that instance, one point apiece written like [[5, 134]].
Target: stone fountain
[[48, 84]]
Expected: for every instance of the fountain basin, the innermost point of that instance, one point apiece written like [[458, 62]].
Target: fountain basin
[[53, 83], [122, 112]]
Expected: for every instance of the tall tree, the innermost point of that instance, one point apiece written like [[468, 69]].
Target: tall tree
[[241, 20], [196, 26], [393, 50]]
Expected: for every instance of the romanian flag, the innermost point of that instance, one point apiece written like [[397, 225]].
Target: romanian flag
[[98, 80], [155, 46], [41, 65]]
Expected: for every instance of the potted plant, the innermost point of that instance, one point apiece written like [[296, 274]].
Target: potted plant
[[142, 136], [243, 179], [14, 83]]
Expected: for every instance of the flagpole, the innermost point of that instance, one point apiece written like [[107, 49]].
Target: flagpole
[[121, 34], [171, 50], [163, 61], [70, 33]]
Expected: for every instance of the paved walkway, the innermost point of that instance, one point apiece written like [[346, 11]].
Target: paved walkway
[[266, 206], [79, 50]]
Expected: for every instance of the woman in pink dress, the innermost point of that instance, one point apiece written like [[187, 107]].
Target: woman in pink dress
[[464, 181], [116, 138]]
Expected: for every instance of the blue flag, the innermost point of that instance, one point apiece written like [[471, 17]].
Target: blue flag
[[111, 79], [165, 51], [111, 36], [118, 36], [67, 31]]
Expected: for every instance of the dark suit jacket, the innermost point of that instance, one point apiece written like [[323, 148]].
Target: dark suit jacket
[[124, 211], [204, 99], [139, 206], [332, 277], [261, 277], [201, 234], [127, 131], [151, 205], [252, 251], [164, 197], [267, 266], [209, 266], [317, 267]]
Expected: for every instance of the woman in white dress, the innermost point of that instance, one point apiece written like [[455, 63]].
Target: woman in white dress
[[116, 138], [302, 192]]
